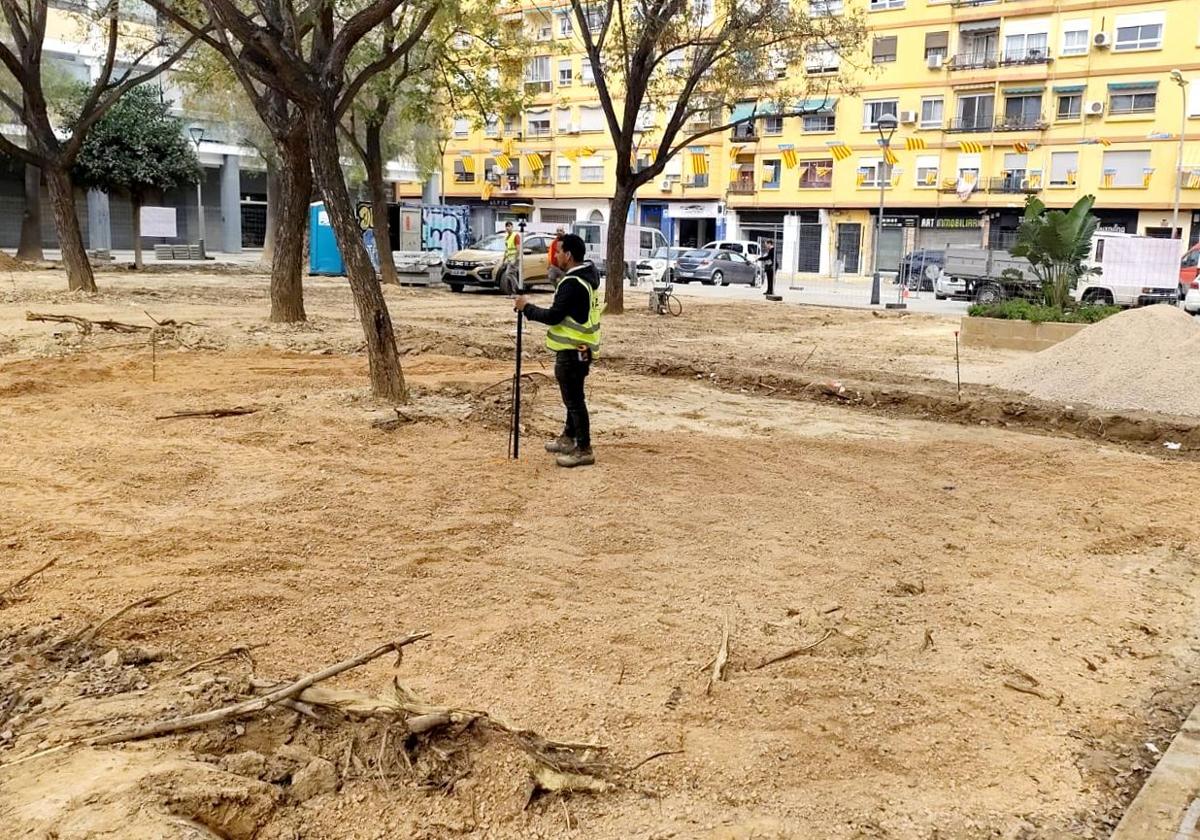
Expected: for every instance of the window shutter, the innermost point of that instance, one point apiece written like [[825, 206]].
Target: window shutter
[[884, 47], [937, 41]]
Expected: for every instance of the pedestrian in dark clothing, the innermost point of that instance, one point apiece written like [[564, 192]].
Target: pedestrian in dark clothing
[[574, 336], [768, 261]]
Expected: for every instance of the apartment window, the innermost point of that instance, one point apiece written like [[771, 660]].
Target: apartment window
[[936, 43], [537, 72], [461, 175], [1070, 106], [933, 112], [646, 119], [591, 118], [541, 175], [489, 171], [883, 49], [1024, 110], [1132, 100], [876, 5], [538, 125], [545, 32], [510, 125], [1139, 32], [595, 18], [820, 59], [563, 122], [1026, 48], [1016, 165], [772, 170], [927, 170], [566, 73], [873, 109], [779, 65], [870, 172], [675, 64], [975, 112], [1063, 168], [586, 76], [563, 171], [968, 167], [979, 41], [816, 174], [565, 28], [1125, 169], [824, 8], [824, 123], [773, 125], [1076, 39], [491, 127], [591, 170], [462, 127]]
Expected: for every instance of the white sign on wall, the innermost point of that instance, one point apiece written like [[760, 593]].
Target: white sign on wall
[[159, 222], [693, 210]]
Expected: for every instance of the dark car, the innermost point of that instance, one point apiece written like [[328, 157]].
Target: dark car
[[715, 268], [921, 268]]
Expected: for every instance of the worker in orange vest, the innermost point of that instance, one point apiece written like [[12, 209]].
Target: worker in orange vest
[[555, 246]]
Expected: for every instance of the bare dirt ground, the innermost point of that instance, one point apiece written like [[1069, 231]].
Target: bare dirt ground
[[1002, 624]]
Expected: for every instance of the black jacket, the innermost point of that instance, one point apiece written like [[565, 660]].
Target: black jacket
[[570, 299]]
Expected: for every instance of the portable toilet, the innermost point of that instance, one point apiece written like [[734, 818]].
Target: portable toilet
[[323, 254]]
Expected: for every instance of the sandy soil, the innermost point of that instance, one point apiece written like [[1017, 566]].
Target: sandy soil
[[947, 570]]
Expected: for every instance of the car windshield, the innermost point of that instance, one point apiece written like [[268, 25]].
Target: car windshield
[[666, 253], [698, 254], [491, 243]]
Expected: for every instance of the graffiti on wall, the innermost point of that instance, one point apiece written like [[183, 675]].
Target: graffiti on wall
[[444, 228]]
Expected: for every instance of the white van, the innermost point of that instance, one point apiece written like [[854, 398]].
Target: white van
[[1134, 270], [639, 242]]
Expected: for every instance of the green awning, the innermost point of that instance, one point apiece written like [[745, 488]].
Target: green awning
[[742, 111], [1069, 88], [821, 105], [1132, 85], [768, 109], [1023, 90]]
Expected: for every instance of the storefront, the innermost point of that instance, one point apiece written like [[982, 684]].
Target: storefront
[[944, 230], [693, 223]]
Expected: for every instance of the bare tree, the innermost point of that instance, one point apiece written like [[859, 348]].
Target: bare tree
[[145, 54], [694, 61]]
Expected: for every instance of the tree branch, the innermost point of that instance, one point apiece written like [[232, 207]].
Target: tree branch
[[384, 63], [24, 155]]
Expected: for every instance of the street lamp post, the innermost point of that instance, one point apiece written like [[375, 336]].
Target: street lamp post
[[886, 125], [197, 134], [1177, 78]]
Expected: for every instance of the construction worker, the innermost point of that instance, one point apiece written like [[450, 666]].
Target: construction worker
[[574, 336], [512, 250], [555, 246]]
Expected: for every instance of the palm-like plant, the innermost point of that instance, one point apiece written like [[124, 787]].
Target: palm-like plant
[[1057, 243]]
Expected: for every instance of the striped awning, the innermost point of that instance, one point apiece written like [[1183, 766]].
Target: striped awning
[[1132, 85], [1023, 90], [1069, 88]]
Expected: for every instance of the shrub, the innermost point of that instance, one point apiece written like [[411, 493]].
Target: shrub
[[1019, 309]]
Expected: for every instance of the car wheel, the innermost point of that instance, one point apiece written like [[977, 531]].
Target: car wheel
[[505, 284], [939, 297], [989, 293], [1100, 297], [718, 279], [456, 288]]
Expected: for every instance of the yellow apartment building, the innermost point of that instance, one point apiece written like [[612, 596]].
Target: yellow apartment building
[[996, 100]]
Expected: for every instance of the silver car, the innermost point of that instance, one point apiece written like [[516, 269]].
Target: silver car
[[715, 268]]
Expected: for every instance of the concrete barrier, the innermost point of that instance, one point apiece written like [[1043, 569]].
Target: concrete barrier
[[1014, 335]]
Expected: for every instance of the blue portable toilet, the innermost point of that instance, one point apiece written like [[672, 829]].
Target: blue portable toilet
[[323, 254]]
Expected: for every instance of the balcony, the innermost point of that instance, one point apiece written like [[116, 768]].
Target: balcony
[[1023, 122], [742, 186], [534, 87], [534, 181], [1030, 55], [1014, 185], [974, 60], [969, 124], [536, 132], [745, 133]]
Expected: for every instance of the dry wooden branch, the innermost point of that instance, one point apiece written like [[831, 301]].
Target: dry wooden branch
[[721, 659], [171, 323], [236, 650], [6, 597], [210, 413], [788, 654], [652, 757], [86, 325], [88, 634], [1030, 685], [256, 704]]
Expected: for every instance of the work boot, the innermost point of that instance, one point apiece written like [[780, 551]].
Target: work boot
[[561, 445], [577, 458]]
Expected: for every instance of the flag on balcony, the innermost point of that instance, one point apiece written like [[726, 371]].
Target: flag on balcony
[[914, 143], [896, 173], [1147, 174], [839, 150], [535, 163], [1103, 141], [468, 164], [931, 177], [587, 151], [1021, 148], [485, 191], [789, 156], [890, 156], [1035, 180], [1072, 175], [735, 150], [860, 178], [570, 154], [508, 147], [824, 171], [1193, 181], [503, 161], [949, 183], [970, 147], [699, 160], [1109, 178]]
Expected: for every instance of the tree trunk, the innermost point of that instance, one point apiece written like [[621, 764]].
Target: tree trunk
[[614, 285], [379, 203], [268, 248], [291, 223], [135, 204], [30, 247], [387, 378], [70, 238]]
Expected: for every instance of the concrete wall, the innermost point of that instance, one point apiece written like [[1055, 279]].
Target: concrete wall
[[1014, 335]]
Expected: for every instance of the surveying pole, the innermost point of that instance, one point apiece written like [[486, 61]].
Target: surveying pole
[[515, 434]]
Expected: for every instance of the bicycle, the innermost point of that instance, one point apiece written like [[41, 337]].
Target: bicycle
[[662, 302]]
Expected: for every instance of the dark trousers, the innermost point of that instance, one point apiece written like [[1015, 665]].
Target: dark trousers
[[570, 371]]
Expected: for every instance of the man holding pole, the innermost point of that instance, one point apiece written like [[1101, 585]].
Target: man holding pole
[[573, 319]]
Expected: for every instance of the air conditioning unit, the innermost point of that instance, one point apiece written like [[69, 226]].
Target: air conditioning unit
[[1102, 40], [1094, 108], [935, 61], [908, 116], [665, 185]]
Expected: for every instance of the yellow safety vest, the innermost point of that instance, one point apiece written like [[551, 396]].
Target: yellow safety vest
[[510, 246], [569, 334]]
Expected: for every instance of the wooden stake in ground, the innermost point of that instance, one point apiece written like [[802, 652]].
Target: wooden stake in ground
[[257, 704], [208, 413], [721, 659]]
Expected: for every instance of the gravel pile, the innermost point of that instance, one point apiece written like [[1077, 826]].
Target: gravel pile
[[1144, 359]]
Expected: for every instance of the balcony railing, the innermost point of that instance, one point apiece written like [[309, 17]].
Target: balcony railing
[[742, 186], [974, 60], [1025, 122], [537, 181], [1031, 55], [1011, 184], [745, 133], [970, 124], [539, 86], [535, 132]]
